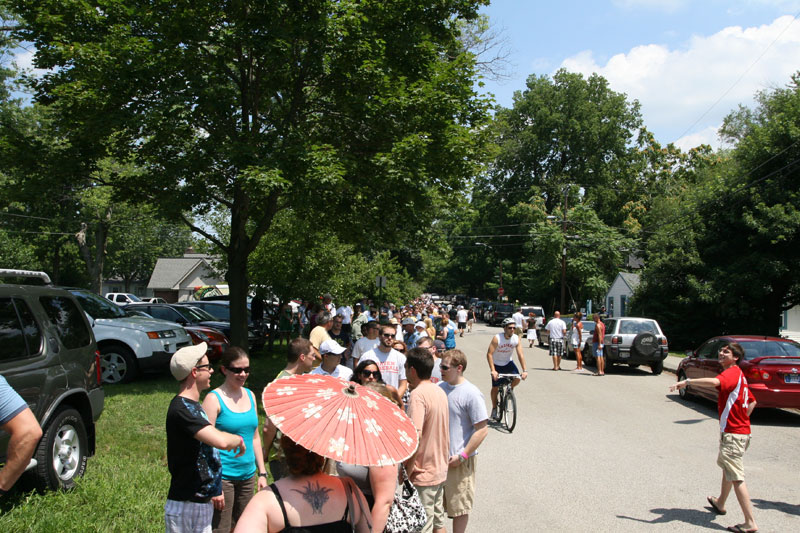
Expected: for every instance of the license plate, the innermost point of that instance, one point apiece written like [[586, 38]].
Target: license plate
[[791, 378], [624, 355]]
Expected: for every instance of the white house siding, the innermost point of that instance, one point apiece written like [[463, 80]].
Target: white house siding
[[791, 324], [618, 297]]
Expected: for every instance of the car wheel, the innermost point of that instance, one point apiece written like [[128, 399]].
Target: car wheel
[[683, 392], [657, 367], [118, 364], [61, 453]]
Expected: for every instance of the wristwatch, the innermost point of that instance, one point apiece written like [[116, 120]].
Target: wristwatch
[[262, 474]]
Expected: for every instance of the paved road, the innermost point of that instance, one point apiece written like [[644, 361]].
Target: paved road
[[620, 453]]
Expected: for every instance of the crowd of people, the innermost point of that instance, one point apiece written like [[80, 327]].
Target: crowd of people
[[220, 462]]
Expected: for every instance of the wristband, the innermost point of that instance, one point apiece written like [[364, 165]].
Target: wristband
[[464, 455], [262, 474]]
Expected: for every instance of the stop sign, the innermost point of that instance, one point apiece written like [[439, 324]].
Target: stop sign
[[500, 291]]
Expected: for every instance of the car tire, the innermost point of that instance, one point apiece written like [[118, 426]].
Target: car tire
[[657, 367], [683, 392], [117, 364], [644, 345], [62, 451]]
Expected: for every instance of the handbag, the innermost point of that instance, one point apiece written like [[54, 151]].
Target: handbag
[[407, 514]]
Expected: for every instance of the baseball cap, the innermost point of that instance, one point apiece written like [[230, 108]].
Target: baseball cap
[[185, 359], [393, 321], [420, 324], [327, 296], [408, 321], [439, 345], [330, 347]]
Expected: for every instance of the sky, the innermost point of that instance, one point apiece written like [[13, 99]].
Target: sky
[[688, 62]]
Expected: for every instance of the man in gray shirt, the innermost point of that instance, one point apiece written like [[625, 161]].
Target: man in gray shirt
[[468, 428]]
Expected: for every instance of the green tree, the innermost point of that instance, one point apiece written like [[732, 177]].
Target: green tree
[[323, 106]]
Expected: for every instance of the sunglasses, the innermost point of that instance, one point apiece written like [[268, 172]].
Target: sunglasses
[[207, 366], [444, 367], [371, 373], [238, 370], [387, 335]]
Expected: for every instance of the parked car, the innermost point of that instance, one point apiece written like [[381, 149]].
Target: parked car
[[498, 312], [537, 311], [50, 358], [216, 340], [770, 364], [221, 311], [154, 300], [122, 298], [129, 344], [586, 344], [185, 315], [635, 341]]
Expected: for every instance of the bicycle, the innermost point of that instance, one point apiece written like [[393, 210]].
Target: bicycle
[[507, 402]]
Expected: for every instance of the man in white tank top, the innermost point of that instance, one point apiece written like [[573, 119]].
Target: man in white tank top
[[500, 357]]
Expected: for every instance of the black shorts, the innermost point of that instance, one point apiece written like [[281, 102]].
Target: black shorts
[[462, 325], [509, 368]]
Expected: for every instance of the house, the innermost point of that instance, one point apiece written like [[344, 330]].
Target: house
[[620, 292], [176, 279], [790, 323]]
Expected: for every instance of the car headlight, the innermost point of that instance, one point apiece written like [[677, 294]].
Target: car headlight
[[164, 334]]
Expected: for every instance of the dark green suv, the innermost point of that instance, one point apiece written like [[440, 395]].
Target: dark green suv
[[49, 356]]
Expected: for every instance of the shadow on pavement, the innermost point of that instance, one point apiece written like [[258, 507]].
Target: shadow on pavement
[[783, 507], [694, 517]]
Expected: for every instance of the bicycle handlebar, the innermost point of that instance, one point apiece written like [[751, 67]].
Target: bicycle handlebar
[[509, 375]]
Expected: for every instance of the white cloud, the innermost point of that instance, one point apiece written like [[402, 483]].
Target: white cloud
[[678, 87], [707, 136]]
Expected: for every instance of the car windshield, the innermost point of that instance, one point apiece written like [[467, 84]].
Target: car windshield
[[634, 327], [96, 306], [754, 349], [134, 298], [195, 313]]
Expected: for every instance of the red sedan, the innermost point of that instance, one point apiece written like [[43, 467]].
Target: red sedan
[[216, 340], [770, 364]]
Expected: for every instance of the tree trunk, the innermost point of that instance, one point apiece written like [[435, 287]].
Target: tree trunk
[[238, 286]]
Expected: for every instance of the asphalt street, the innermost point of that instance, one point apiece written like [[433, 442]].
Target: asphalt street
[[620, 453]]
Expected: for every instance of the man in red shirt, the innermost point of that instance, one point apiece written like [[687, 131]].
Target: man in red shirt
[[735, 404]]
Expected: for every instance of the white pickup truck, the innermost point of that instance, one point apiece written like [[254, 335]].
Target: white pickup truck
[[129, 344]]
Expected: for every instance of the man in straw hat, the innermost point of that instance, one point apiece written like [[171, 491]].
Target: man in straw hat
[[193, 461]]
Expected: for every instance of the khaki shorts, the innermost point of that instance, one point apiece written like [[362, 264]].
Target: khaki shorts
[[731, 451], [459, 489], [518, 331], [433, 501]]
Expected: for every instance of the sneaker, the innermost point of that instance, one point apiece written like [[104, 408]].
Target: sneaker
[[494, 413]]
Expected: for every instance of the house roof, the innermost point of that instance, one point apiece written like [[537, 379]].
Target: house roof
[[632, 280], [169, 272]]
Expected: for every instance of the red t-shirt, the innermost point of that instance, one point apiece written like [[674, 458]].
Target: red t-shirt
[[732, 401]]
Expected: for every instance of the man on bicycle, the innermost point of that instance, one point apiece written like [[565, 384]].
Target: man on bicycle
[[500, 355]]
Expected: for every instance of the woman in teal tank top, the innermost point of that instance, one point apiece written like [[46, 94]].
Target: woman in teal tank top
[[233, 408]]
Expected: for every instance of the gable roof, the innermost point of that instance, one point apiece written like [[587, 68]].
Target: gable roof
[[169, 272], [631, 280]]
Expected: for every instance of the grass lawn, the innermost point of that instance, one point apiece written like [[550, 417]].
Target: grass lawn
[[126, 482]]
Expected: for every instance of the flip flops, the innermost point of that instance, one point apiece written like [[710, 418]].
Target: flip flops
[[712, 501], [739, 528]]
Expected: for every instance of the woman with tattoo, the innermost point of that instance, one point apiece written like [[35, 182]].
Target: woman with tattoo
[[307, 501], [232, 407], [378, 483]]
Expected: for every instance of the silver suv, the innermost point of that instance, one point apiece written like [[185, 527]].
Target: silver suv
[[635, 341], [50, 358]]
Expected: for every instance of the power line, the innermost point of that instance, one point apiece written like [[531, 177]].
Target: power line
[[707, 111]]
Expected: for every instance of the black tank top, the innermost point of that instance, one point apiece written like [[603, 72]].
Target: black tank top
[[340, 526]]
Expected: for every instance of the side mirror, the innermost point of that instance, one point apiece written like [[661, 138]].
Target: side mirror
[[689, 353]]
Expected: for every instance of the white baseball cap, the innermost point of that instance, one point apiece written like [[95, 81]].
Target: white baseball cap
[[330, 346], [186, 359]]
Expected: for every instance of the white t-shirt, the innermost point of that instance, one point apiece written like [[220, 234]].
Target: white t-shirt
[[392, 365], [363, 345], [556, 327], [505, 349], [346, 313], [466, 407], [519, 319], [341, 372], [436, 373], [462, 315]]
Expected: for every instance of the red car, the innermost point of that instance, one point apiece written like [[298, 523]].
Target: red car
[[216, 340], [770, 364]]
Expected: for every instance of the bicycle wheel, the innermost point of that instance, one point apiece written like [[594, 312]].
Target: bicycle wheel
[[501, 404], [510, 410]]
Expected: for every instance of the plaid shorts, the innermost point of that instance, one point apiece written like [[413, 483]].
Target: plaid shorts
[[557, 347]]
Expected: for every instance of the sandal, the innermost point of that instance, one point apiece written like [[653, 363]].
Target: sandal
[[712, 501]]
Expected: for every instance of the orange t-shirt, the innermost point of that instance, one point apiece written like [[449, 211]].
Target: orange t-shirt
[[428, 410]]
